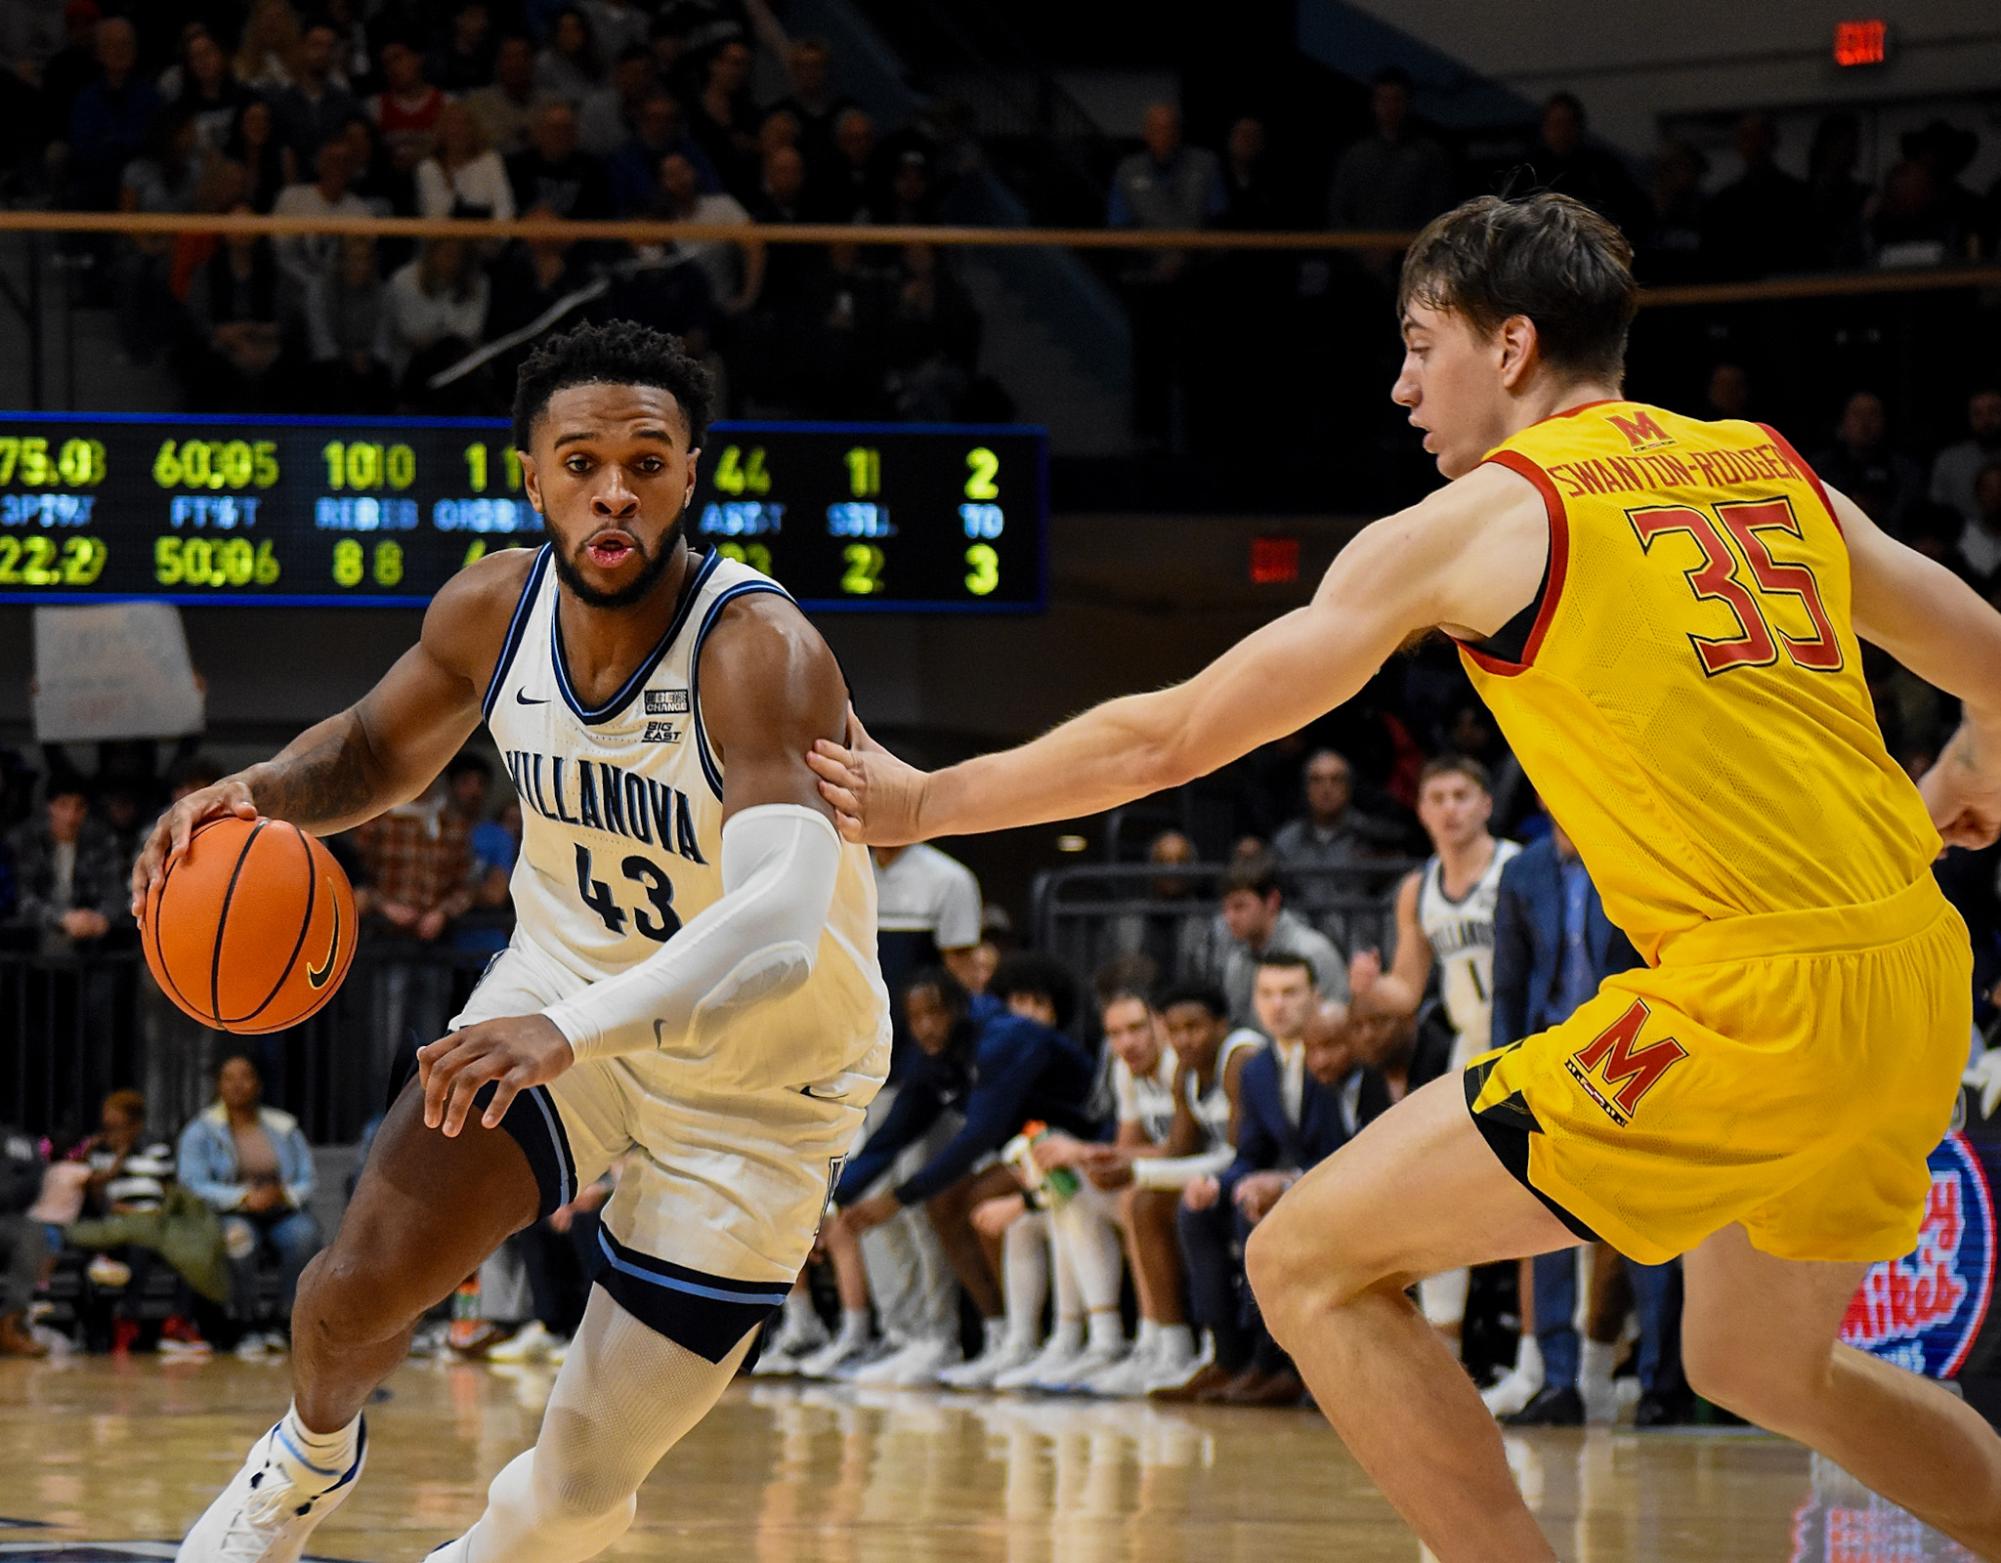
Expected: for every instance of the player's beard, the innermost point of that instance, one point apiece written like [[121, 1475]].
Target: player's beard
[[652, 565]]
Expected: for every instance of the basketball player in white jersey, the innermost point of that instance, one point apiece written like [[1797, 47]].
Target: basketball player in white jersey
[[693, 972], [1445, 914]]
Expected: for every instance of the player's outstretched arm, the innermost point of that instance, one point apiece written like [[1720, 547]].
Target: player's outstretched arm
[[1396, 993], [1937, 626], [1467, 558], [383, 750], [774, 689]]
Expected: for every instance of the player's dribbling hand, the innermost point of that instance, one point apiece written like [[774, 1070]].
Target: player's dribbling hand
[[518, 1051], [169, 836], [875, 796]]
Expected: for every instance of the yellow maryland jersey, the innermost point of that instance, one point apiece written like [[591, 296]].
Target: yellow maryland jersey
[[1687, 694]]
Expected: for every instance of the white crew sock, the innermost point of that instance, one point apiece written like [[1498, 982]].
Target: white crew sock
[[1067, 1339], [1108, 1330], [854, 1326], [323, 1451], [1148, 1331], [1594, 1367], [993, 1335], [1528, 1359], [1173, 1345]]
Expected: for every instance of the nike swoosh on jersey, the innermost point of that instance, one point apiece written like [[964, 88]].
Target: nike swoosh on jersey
[[522, 698], [823, 1096], [316, 976]]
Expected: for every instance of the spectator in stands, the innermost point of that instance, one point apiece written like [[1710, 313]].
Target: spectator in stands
[[1761, 223], [508, 107], [1836, 199], [254, 143], [813, 101], [162, 178], [72, 883], [1253, 198], [135, 1218], [343, 314], [532, 277], [999, 1070], [1959, 464], [408, 107], [1669, 248], [235, 312], [849, 186], [23, 1250], [1260, 928], [609, 117], [464, 177], [1864, 465], [724, 120], [251, 1165], [1396, 178], [1332, 833], [308, 259], [1165, 185], [268, 47], [1564, 160], [734, 272], [465, 59], [661, 130], [1170, 936], [930, 339], [387, 190], [208, 91], [555, 174], [911, 199], [317, 104], [1299, 1100], [570, 67], [110, 119], [434, 309], [1980, 542]]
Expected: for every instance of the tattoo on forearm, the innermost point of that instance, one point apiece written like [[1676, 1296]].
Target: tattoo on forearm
[[325, 783]]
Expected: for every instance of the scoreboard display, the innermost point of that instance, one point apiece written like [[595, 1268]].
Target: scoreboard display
[[382, 511]]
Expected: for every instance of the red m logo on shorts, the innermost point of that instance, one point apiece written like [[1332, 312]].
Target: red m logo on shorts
[[1628, 1072], [1642, 433]]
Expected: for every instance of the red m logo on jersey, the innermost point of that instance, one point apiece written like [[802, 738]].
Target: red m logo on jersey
[[1628, 1072], [1642, 433]]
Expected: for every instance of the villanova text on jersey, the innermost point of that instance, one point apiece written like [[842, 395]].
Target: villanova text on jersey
[[598, 795]]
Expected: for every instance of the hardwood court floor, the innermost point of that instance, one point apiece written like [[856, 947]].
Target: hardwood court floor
[[95, 1450]]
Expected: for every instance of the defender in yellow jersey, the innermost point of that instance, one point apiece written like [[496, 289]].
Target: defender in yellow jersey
[[1664, 617]]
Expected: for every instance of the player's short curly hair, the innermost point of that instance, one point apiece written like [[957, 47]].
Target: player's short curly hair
[[1546, 256], [619, 352]]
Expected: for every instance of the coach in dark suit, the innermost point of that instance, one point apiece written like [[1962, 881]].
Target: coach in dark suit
[[1553, 946], [1299, 1100]]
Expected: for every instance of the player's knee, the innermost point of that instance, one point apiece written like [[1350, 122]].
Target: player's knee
[[1775, 1393], [1289, 1281], [345, 1300]]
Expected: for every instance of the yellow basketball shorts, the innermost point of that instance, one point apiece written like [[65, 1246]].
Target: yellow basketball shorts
[[1790, 1071]]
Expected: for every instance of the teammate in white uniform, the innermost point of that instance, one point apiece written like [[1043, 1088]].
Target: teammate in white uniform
[[1445, 914], [692, 977]]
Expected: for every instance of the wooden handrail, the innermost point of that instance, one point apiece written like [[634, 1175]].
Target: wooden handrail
[[1832, 285]]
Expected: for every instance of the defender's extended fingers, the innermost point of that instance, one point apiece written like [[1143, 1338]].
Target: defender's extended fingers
[[512, 1084], [466, 1085], [447, 1057]]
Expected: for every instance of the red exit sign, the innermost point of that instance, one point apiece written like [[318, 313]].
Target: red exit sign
[[1861, 43], [1274, 561]]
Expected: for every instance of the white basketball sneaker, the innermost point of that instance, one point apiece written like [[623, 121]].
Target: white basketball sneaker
[[271, 1506]]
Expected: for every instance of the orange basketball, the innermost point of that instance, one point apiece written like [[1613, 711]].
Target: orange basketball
[[253, 929]]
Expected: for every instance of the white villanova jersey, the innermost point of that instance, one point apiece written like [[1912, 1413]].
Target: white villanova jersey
[[1461, 935], [622, 820]]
